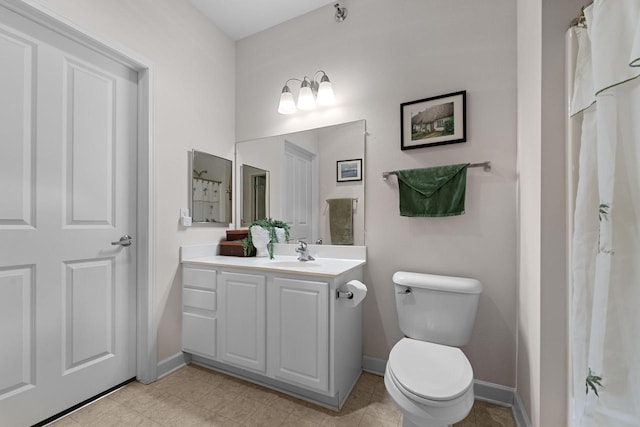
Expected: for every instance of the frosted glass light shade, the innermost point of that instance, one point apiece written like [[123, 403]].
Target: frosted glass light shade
[[325, 93], [305, 98], [287, 104], [311, 94]]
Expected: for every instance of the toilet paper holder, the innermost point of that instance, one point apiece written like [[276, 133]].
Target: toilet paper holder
[[344, 294]]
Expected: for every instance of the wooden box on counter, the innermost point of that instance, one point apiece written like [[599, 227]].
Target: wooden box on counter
[[233, 235], [234, 248]]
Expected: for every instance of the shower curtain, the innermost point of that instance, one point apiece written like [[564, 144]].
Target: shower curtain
[[605, 311], [206, 200]]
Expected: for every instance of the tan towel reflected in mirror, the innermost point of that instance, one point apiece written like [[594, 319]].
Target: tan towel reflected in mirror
[[341, 221]]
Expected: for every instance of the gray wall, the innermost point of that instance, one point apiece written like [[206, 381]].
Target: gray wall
[[386, 53]]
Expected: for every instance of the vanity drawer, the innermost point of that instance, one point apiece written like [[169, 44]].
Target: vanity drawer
[[199, 278], [199, 334], [205, 300]]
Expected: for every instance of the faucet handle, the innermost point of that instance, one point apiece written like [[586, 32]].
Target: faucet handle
[[304, 253]]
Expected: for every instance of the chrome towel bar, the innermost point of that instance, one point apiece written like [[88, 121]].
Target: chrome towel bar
[[485, 165]]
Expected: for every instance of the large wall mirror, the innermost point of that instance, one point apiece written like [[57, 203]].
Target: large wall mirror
[[211, 189], [294, 177]]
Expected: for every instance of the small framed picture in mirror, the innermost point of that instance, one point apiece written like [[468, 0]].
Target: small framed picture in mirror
[[349, 170]]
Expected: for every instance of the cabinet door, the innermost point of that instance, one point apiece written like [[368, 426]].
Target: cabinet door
[[243, 320], [299, 328]]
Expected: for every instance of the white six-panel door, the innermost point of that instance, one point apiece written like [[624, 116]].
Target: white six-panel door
[[67, 189]]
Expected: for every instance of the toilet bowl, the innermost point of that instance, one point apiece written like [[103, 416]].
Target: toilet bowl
[[427, 375], [431, 383]]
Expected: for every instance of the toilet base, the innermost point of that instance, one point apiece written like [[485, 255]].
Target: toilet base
[[415, 414]]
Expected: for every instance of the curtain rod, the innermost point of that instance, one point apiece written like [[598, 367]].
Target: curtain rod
[[485, 165], [580, 21], [208, 180]]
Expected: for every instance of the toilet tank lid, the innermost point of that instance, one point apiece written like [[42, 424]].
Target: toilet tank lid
[[461, 285]]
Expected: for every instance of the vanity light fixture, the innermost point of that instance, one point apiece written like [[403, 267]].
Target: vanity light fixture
[[312, 93]]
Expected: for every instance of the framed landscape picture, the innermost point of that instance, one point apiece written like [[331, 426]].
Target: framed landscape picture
[[349, 170], [434, 121]]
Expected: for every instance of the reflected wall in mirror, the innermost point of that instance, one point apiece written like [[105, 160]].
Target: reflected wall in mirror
[[301, 171], [211, 184], [255, 189]]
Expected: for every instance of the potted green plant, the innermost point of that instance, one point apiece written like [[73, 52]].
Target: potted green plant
[[282, 230], [262, 235]]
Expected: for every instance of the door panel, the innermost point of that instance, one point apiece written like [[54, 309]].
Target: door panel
[[16, 131], [16, 330], [88, 313], [297, 199], [67, 296], [89, 162]]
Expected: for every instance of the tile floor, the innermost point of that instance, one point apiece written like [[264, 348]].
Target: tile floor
[[195, 396]]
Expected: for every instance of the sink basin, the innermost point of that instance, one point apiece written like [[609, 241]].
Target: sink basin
[[293, 264]]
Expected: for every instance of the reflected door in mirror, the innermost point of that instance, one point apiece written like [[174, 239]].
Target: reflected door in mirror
[[299, 193], [259, 186], [254, 194]]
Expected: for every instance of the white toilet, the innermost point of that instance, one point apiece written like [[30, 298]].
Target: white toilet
[[427, 375]]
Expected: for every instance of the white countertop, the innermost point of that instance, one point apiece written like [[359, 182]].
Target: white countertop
[[325, 264]]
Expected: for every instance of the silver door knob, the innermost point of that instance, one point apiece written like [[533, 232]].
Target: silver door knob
[[125, 240]]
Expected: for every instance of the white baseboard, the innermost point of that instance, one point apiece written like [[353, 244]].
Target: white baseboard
[[519, 412], [171, 363], [373, 365], [485, 391], [493, 393]]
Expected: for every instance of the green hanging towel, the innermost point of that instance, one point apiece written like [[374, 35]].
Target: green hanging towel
[[437, 191], [341, 221]]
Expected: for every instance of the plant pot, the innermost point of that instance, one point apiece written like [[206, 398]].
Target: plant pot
[[260, 238], [281, 235]]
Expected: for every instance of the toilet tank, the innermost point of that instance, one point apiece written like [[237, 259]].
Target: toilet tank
[[438, 309]]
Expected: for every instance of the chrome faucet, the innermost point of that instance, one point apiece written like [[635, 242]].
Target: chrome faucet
[[303, 251]]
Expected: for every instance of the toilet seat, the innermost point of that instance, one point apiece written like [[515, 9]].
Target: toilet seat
[[430, 373]]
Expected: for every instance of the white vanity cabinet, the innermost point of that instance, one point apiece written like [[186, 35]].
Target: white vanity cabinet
[[284, 329]]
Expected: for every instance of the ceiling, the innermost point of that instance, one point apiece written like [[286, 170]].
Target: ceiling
[[242, 18]]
